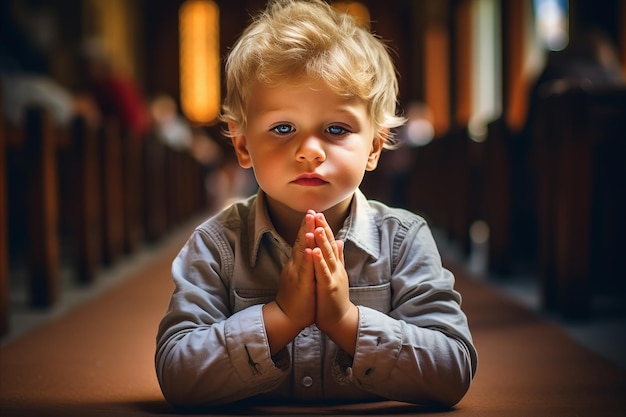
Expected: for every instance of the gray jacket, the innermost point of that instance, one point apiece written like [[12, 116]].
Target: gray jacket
[[413, 344]]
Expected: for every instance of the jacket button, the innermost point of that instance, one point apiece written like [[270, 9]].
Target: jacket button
[[307, 381]]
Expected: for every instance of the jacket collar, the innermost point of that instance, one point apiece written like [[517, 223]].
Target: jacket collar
[[359, 227]]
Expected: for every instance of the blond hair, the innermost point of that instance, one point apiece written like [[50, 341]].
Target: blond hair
[[292, 39]]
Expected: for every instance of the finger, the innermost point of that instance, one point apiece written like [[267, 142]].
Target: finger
[[326, 247], [322, 272], [302, 241], [307, 267], [309, 228], [320, 221], [310, 240], [310, 220]]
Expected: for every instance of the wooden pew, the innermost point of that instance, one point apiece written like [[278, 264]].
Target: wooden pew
[[464, 185], [426, 185], [33, 203], [85, 195], [579, 145], [496, 196], [78, 172], [112, 191], [444, 185], [132, 174], [192, 193], [42, 188], [154, 189], [183, 187], [4, 250], [102, 174], [440, 184], [81, 198]]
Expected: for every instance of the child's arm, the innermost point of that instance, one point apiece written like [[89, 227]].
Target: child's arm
[[200, 337], [420, 351]]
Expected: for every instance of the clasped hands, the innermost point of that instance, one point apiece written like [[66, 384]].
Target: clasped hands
[[313, 287]]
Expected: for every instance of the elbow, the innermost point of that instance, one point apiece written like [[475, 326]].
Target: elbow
[[176, 389], [444, 383], [189, 384], [178, 380], [443, 395], [182, 393], [455, 384], [453, 394]]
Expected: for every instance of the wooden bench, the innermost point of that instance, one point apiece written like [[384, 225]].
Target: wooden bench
[[443, 184], [496, 196], [133, 198], [4, 247], [154, 179], [83, 196], [51, 192], [580, 143], [33, 202]]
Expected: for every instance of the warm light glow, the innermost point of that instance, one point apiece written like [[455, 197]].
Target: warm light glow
[[551, 17], [486, 69], [199, 60], [436, 71], [357, 10], [479, 232]]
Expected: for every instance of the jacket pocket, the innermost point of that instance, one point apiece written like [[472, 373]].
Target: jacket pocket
[[244, 298], [377, 297]]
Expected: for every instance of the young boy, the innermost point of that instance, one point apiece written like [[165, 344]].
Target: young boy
[[308, 291]]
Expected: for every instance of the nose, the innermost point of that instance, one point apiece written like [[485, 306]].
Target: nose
[[311, 148]]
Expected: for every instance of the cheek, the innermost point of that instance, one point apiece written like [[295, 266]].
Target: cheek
[[267, 164], [350, 166]]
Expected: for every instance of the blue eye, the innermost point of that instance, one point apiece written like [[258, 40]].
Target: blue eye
[[283, 129], [336, 130]]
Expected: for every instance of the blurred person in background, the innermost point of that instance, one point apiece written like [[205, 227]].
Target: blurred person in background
[[116, 95]]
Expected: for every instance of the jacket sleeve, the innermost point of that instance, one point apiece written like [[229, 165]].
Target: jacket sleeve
[[205, 355], [422, 350]]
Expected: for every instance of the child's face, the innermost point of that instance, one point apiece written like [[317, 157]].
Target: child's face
[[309, 146]]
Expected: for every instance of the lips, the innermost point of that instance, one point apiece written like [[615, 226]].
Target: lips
[[309, 180]]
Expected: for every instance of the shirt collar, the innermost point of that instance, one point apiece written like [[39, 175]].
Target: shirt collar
[[358, 228], [259, 221]]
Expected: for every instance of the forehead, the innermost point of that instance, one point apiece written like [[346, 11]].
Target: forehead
[[297, 91]]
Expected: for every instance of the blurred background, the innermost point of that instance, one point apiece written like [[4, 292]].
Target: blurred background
[[513, 150]]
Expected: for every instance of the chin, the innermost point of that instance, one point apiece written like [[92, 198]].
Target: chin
[[319, 203], [302, 206], [317, 206]]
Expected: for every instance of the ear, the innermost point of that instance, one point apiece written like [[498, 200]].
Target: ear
[[377, 148], [241, 147]]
